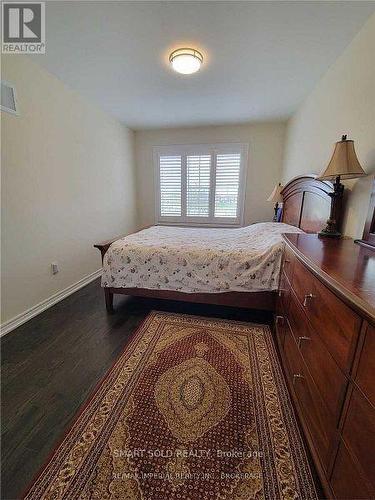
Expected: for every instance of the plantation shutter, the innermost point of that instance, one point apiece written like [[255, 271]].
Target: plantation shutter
[[198, 173], [170, 185], [201, 184], [228, 169]]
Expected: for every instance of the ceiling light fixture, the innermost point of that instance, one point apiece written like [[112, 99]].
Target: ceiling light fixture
[[186, 61]]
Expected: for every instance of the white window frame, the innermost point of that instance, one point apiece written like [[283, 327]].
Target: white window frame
[[197, 149]]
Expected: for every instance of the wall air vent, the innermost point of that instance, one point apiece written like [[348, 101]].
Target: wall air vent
[[8, 98]]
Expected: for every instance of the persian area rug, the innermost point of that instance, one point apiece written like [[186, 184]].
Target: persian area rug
[[194, 409]]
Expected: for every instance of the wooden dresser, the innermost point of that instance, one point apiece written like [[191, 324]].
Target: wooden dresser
[[325, 330]]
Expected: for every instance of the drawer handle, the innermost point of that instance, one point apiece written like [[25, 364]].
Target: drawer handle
[[306, 298], [302, 338], [297, 376], [279, 319]]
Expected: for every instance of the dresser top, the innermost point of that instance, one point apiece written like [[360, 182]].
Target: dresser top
[[344, 266]]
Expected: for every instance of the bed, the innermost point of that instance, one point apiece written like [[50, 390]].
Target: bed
[[237, 267]]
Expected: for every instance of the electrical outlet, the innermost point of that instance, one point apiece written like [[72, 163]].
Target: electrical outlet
[[54, 268]]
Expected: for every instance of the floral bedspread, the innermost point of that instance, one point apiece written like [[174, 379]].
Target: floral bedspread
[[197, 260]]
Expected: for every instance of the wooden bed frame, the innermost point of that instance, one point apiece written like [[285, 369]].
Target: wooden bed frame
[[306, 204]]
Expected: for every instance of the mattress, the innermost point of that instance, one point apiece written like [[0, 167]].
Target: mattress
[[196, 260]]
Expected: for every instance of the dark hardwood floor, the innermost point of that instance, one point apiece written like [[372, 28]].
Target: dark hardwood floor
[[52, 363]]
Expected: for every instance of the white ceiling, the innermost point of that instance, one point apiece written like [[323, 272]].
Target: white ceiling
[[261, 58]]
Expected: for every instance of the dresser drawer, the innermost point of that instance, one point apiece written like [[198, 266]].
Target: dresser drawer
[[333, 320], [281, 309], [366, 371], [281, 324], [284, 294], [293, 358], [288, 263], [359, 433], [319, 361], [346, 481], [314, 413]]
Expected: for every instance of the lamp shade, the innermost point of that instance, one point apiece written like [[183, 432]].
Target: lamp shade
[[275, 196], [344, 162]]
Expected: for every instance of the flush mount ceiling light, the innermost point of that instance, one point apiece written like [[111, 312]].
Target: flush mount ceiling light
[[186, 61]]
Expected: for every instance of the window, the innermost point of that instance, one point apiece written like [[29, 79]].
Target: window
[[200, 185]]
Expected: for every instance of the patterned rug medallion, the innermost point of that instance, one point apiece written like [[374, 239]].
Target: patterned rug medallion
[[194, 409]]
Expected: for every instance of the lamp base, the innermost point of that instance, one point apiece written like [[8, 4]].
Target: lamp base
[[275, 212], [329, 234], [330, 231]]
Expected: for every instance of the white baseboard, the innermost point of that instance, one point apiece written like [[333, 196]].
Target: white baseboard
[[18, 320]]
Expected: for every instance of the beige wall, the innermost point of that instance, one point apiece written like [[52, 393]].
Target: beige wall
[[68, 181], [266, 143], [342, 102]]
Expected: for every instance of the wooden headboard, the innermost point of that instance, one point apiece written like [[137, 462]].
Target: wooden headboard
[[306, 203]]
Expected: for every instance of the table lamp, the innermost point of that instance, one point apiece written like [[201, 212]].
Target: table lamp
[[344, 164]]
